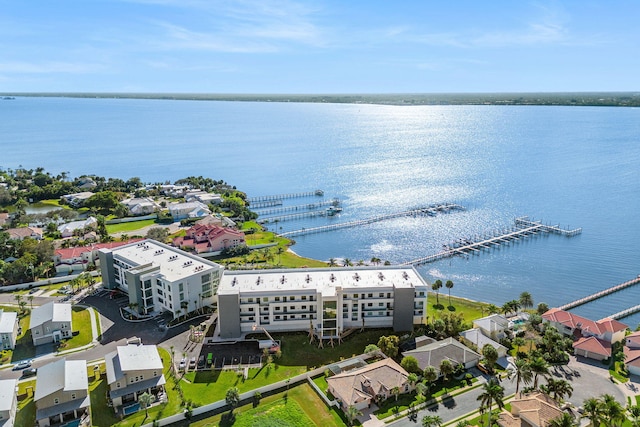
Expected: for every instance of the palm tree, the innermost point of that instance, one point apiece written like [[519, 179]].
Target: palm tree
[[145, 400], [30, 297], [352, 413], [332, 262], [492, 392], [279, 251], [232, 398], [449, 285], [430, 375], [522, 373], [421, 389], [412, 379], [518, 342], [526, 300], [436, 287], [538, 366], [431, 421], [634, 413], [493, 309], [558, 389], [565, 420], [347, 262], [613, 412], [446, 369], [396, 392], [593, 410]]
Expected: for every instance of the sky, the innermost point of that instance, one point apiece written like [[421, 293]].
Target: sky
[[319, 46]]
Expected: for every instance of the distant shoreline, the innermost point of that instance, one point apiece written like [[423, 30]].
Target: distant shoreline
[[599, 99]]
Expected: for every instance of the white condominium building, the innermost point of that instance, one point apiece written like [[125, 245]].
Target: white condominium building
[[327, 300], [158, 277]]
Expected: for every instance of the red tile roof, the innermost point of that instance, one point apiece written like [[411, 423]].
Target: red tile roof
[[593, 345], [631, 357], [69, 253], [574, 321]]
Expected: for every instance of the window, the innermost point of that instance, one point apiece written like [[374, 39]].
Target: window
[[277, 298], [169, 288], [56, 401], [265, 299], [381, 295], [304, 297], [369, 295], [277, 308], [292, 298], [388, 294], [180, 287], [250, 308], [355, 295], [381, 313], [277, 317], [304, 316], [380, 304], [250, 300], [181, 297], [205, 278], [304, 307], [292, 307], [155, 373], [73, 395], [131, 381], [370, 304]]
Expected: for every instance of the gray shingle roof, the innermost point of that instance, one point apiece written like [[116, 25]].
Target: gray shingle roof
[[52, 311], [67, 375]]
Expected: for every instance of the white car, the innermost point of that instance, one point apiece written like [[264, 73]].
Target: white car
[[182, 365]]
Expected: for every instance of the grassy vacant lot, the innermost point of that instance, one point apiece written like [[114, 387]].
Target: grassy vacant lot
[[300, 406], [125, 227], [471, 310], [81, 321]]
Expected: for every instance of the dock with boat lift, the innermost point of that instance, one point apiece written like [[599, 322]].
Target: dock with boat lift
[[430, 210], [603, 293], [307, 207], [523, 228]]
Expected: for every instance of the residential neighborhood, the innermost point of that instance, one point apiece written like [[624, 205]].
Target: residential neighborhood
[[197, 317]]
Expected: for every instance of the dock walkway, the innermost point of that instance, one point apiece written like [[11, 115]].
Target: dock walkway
[[285, 196], [307, 207], [524, 227], [430, 210], [601, 294]]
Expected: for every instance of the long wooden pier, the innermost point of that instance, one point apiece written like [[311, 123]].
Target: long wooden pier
[[265, 204], [624, 313], [600, 294], [288, 217], [430, 210], [307, 207], [285, 196], [524, 227]]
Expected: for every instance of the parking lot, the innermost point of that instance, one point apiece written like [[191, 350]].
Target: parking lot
[[237, 353]]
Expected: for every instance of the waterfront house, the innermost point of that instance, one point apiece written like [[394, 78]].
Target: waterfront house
[[132, 370], [70, 228], [62, 394], [9, 329], [8, 402], [141, 206], [24, 233], [50, 322], [570, 324], [188, 210], [494, 326], [593, 338], [448, 349], [530, 410], [369, 384], [209, 238]]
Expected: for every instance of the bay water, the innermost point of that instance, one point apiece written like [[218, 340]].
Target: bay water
[[572, 166]]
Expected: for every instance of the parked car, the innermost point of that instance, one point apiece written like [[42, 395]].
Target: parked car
[[22, 365], [29, 373], [182, 364], [201, 361], [192, 363]]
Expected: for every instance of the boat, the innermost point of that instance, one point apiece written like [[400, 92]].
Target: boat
[[332, 210]]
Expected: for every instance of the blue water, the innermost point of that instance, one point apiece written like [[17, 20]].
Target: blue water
[[573, 166]]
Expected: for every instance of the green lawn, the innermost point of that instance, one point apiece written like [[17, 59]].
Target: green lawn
[[300, 406], [81, 321], [471, 310], [129, 226], [26, 415]]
